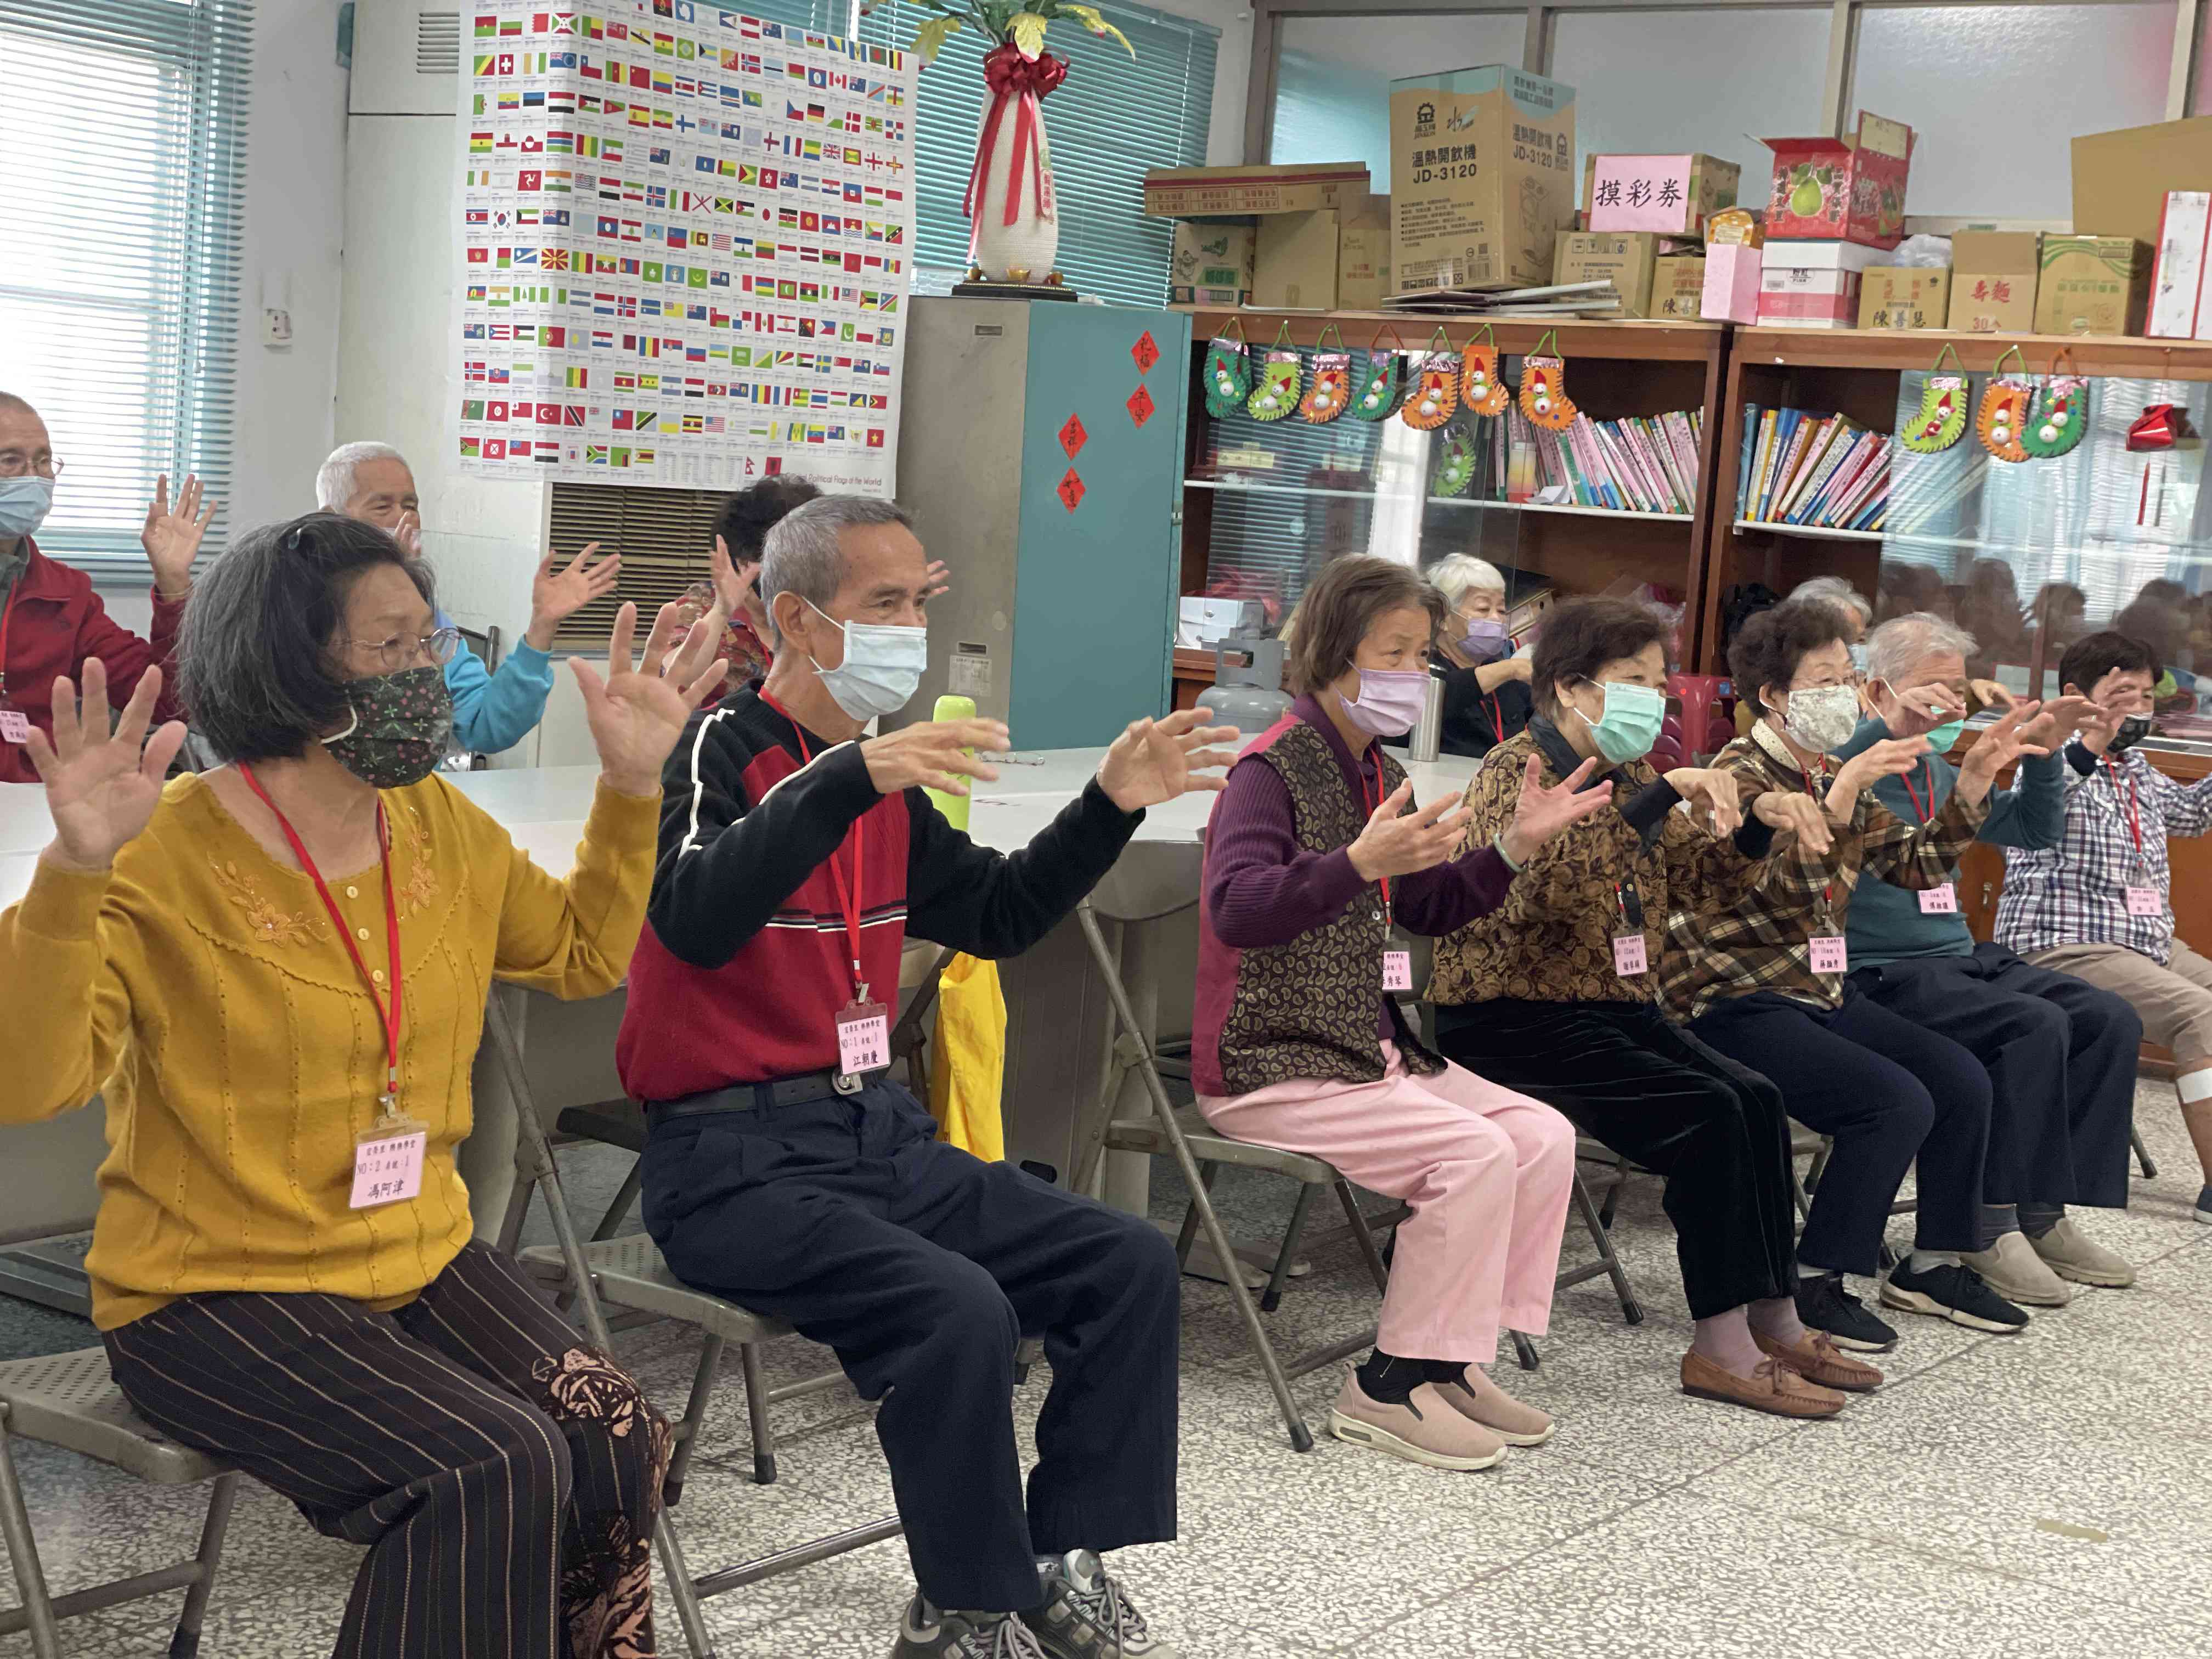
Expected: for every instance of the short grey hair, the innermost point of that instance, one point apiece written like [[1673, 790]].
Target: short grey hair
[[1901, 645], [1835, 591], [334, 478], [1457, 574], [803, 553]]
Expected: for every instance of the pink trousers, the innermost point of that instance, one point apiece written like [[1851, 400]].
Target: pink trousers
[[1487, 1172]]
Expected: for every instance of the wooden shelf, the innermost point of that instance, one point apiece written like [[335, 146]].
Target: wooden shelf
[[1910, 348], [1818, 533], [1227, 486], [1665, 341]]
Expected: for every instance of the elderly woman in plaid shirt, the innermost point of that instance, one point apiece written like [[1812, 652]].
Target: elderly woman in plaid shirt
[[1765, 982], [2099, 904]]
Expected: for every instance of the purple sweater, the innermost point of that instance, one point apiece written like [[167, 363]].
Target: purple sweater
[[1260, 888]]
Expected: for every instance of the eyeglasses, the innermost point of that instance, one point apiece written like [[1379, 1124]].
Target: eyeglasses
[[14, 466], [436, 647]]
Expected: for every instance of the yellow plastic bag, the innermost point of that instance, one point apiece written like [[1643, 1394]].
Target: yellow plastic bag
[[968, 1057]]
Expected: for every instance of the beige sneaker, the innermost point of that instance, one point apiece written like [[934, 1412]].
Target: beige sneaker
[[1483, 1401], [2069, 1253], [1424, 1430], [2013, 1269]]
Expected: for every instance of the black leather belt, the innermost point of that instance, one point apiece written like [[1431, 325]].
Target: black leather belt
[[784, 1091]]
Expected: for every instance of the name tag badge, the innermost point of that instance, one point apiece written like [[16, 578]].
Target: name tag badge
[[1828, 956], [1397, 971], [387, 1164], [15, 726], [1628, 955], [864, 1038], [1939, 901], [2145, 902]]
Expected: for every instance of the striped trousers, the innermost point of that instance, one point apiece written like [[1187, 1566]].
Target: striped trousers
[[505, 1478]]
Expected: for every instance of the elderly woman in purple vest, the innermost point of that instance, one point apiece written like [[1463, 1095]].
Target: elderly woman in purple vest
[[1315, 852]]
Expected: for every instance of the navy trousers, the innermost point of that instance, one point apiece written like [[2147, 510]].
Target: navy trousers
[[2061, 1056], [922, 1267]]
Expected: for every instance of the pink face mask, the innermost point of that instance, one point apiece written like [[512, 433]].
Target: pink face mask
[[1389, 702]]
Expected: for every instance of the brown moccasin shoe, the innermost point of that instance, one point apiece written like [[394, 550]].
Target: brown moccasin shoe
[[1817, 1359], [1773, 1387]]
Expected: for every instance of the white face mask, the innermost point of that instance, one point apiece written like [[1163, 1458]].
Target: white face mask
[[1822, 718], [882, 668], [24, 504]]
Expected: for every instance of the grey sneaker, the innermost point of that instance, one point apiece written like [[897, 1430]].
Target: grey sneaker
[[1087, 1615], [931, 1633]]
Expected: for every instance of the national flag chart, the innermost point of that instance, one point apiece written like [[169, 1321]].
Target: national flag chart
[[687, 232]]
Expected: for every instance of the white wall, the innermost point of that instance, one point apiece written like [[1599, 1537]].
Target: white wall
[[1232, 64]]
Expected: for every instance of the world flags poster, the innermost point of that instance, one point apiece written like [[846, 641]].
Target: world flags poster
[[685, 235]]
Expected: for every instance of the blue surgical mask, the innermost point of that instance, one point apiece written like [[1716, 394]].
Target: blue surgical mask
[[882, 668], [24, 504], [1631, 722], [1858, 657], [1940, 740]]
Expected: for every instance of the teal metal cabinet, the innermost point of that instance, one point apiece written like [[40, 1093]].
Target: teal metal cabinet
[[1041, 450]]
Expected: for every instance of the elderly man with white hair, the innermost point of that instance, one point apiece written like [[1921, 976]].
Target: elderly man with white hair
[[2060, 1053], [372, 483], [1486, 692]]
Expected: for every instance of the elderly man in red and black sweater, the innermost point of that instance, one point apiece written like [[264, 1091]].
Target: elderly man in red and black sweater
[[784, 1169]]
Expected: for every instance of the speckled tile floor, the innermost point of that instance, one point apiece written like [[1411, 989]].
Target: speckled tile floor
[[2037, 1497]]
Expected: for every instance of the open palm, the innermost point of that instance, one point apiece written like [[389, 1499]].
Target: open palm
[[101, 788], [1541, 813], [1152, 761], [557, 595], [636, 713], [171, 536]]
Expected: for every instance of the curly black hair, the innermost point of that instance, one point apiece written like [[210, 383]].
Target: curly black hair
[[747, 516], [1768, 650]]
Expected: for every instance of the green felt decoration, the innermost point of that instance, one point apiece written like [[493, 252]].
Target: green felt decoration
[[1228, 374], [1455, 462]]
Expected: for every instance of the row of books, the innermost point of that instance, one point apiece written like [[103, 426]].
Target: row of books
[[1642, 464], [1802, 467]]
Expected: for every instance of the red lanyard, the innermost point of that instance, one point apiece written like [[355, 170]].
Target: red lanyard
[[2135, 818], [7, 613], [1913, 795], [1497, 715], [1373, 806], [390, 1012], [847, 896]]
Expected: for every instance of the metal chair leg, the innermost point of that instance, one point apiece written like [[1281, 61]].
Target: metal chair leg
[[1272, 1297], [1525, 1352], [185, 1641], [618, 1209], [23, 1554], [1163, 1108], [757, 1404], [680, 1589], [1630, 1310], [694, 1417], [2142, 1155], [1377, 1269], [1188, 1233]]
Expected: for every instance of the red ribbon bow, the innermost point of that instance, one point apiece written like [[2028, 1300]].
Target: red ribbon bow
[[1020, 81]]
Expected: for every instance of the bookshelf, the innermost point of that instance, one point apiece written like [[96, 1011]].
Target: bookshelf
[[1263, 504]]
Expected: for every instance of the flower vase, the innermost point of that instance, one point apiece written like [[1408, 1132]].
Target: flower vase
[[1016, 236]]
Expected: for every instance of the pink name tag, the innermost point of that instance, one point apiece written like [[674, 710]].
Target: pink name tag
[[1828, 955], [864, 1038], [15, 726], [1939, 901], [1628, 955], [1397, 971], [2145, 902], [388, 1171]]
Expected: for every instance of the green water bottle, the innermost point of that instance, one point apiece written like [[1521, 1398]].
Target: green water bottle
[[954, 807]]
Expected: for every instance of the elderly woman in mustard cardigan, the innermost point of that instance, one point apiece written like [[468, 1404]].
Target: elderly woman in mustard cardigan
[[277, 971]]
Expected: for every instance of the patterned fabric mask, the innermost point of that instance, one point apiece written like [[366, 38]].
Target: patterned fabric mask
[[401, 724]]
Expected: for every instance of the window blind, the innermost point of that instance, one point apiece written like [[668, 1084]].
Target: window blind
[[1327, 110], [124, 126], [1113, 118]]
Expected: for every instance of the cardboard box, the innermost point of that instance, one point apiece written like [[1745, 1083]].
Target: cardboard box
[[1904, 296], [1798, 297], [2092, 285], [1993, 281], [1820, 256], [1363, 255], [1624, 258], [1733, 271], [1848, 189], [2121, 178], [2177, 277], [1674, 195], [1294, 265], [1678, 286], [1482, 178], [1211, 265], [1240, 192]]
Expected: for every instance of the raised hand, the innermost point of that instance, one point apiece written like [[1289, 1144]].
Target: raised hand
[[1992, 693], [2002, 745], [2099, 725], [1788, 810], [939, 576], [408, 532], [930, 753], [2062, 717], [1155, 761], [737, 587], [1921, 708], [1541, 813], [172, 537], [100, 788], [1396, 843], [1891, 757], [557, 595], [1715, 792], [636, 713]]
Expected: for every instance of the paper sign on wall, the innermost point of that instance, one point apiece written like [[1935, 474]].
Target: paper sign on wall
[[686, 236]]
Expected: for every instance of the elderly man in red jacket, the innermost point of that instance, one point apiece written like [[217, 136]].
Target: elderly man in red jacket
[[51, 621]]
